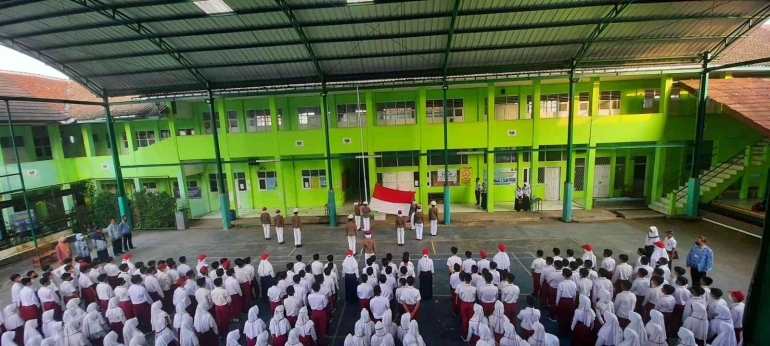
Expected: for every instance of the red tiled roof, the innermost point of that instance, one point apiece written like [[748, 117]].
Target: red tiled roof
[[755, 46], [31, 85], [746, 99]]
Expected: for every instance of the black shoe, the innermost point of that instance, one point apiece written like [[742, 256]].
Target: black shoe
[[281, 242], [300, 245], [133, 247], [296, 246], [268, 238]]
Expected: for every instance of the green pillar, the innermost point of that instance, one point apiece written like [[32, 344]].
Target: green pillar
[[490, 156], [181, 180], [224, 205], [329, 181], [746, 176], [567, 199], [693, 185], [447, 198], [588, 179], [658, 174], [423, 174], [88, 139], [533, 174], [755, 321], [125, 210], [21, 177]]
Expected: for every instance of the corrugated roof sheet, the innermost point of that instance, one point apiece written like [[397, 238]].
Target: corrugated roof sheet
[[258, 45]]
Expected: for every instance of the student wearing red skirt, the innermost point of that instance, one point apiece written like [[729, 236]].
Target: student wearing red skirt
[[140, 301], [280, 327], [527, 317], [48, 298], [474, 325], [205, 327], [582, 323], [306, 328], [566, 294], [253, 326], [115, 317]]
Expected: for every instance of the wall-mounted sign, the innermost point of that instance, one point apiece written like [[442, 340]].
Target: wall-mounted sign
[[511, 133], [105, 166], [347, 141], [32, 172], [299, 143]]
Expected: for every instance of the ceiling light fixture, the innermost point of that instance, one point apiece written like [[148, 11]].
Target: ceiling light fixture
[[358, 2], [213, 6]]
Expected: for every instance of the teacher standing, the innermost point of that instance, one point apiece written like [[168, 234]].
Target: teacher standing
[[700, 260]]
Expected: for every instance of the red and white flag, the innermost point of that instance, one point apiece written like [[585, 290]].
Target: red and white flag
[[390, 201]]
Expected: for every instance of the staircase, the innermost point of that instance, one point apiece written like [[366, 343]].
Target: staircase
[[714, 180]]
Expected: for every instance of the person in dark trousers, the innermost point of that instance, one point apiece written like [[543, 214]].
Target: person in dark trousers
[[115, 237], [125, 232], [478, 192], [700, 260]]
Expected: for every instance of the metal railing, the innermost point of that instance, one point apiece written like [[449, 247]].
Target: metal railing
[[721, 167]]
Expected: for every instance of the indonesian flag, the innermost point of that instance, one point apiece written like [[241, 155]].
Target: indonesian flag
[[390, 201]]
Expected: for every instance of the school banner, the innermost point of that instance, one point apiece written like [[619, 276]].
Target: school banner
[[505, 176], [437, 178]]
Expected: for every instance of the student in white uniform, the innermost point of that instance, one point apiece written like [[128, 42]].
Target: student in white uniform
[[611, 334], [625, 302], [502, 260], [265, 219], [452, 260], [736, 311], [400, 225], [541, 338], [425, 268], [588, 255], [468, 262]]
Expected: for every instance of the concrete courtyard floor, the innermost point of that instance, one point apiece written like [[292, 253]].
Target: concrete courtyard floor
[[735, 256]]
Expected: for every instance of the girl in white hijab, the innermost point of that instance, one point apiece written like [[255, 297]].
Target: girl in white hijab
[[637, 325], [7, 339], [233, 337], [280, 327], [254, 326], [138, 340], [655, 335], [656, 317], [73, 337], [403, 329], [293, 338], [583, 320], [510, 338], [50, 342], [34, 341], [686, 337], [726, 336], [165, 340], [387, 322], [187, 335], [92, 327], [541, 338], [610, 334], [305, 328], [381, 336], [205, 326], [697, 323], [115, 315], [630, 338], [111, 339], [487, 338], [358, 338], [30, 330], [604, 304], [48, 318], [13, 322], [367, 323], [262, 338], [413, 337], [56, 330], [73, 312], [723, 315], [497, 321], [476, 320], [131, 329], [161, 322], [179, 316]]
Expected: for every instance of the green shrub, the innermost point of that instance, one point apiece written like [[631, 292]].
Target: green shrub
[[104, 205], [153, 209]]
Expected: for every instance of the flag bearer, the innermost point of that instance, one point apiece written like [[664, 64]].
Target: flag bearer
[[412, 210], [418, 222], [433, 217], [400, 224], [350, 232], [279, 223], [357, 213], [265, 218], [296, 224], [365, 215]]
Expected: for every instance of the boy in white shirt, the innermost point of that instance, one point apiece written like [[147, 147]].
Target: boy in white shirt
[[509, 295], [608, 262], [538, 264], [640, 287], [737, 298], [670, 245]]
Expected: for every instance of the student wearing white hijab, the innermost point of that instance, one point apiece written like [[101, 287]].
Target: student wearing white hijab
[[161, 322], [652, 237], [630, 338], [726, 336], [56, 330], [179, 316], [279, 327], [73, 312], [48, 319], [686, 337], [610, 334], [541, 338], [7, 339], [205, 326], [697, 323], [111, 339], [13, 322], [381, 336], [165, 340], [30, 331], [131, 329], [656, 317], [187, 336], [233, 337], [92, 327], [73, 337], [637, 325], [115, 315], [387, 322], [34, 341], [473, 324], [722, 315], [497, 321], [366, 322], [358, 338], [403, 328], [413, 337], [486, 336], [510, 338], [138, 340], [604, 304], [305, 328], [253, 326], [656, 336], [583, 320]]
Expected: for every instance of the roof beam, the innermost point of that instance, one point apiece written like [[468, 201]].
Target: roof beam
[[76, 11], [298, 28], [406, 53], [128, 22], [12, 3], [389, 18], [757, 19], [611, 16], [448, 50]]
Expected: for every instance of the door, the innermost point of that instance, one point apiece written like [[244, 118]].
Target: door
[[602, 181], [640, 176], [406, 181], [552, 183]]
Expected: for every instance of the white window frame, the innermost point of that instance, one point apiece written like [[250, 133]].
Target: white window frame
[[609, 102], [391, 113], [262, 177], [309, 117], [187, 132], [206, 116], [435, 110], [307, 176], [240, 178], [213, 182], [507, 107], [150, 186], [584, 104], [232, 122], [259, 120], [651, 102], [351, 115], [555, 105], [144, 138]]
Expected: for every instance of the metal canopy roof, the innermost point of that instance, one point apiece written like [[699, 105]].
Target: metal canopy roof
[[129, 47]]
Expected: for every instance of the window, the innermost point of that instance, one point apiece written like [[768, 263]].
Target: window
[[259, 120], [609, 103], [620, 171], [150, 187], [313, 179], [541, 175], [580, 174], [436, 158], [554, 105], [109, 187], [584, 104], [395, 113], [673, 102], [240, 180], [232, 122], [213, 182], [187, 132], [125, 144], [551, 153], [5, 142], [525, 178], [507, 108], [280, 118], [399, 159], [529, 106], [42, 143], [267, 180], [145, 138], [351, 115], [164, 134], [309, 117], [512, 157], [651, 101], [207, 122], [435, 110]]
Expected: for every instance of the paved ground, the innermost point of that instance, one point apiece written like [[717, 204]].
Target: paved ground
[[735, 254]]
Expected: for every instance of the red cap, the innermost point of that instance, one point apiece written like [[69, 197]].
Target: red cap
[[226, 264], [483, 254], [162, 266], [368, 232], [83, 266], [738, 295], [425, 251], [204, 270], [201, 257], [126, 256], [588, 247], [278, 211], [350, 252], [264, 256], [182, 280], [501, 247], [659, 244]]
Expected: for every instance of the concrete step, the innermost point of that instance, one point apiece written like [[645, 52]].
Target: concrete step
[[657, 206], [756, 162], [665, 202]]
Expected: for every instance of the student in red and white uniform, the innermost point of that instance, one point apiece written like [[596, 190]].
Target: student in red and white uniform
[[49, 299], [538, 264], [411, 299], [141, 301], [318, 303], [509, 295], [29, 308]]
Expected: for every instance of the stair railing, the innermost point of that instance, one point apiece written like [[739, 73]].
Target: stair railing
[[721, 167]]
